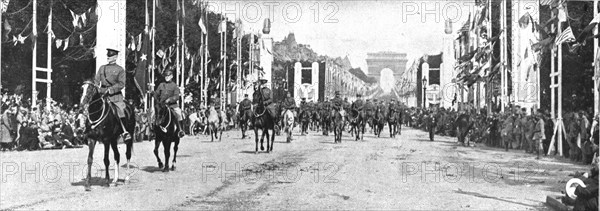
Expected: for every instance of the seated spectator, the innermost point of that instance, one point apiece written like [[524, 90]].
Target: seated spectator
[[29, 137]]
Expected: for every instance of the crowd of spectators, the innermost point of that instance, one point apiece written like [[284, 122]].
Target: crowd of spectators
[[516, 128], [48, 125]]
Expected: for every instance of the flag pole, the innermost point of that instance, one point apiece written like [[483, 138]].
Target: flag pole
[[183, 54], [146, 28], [206, 55], [49, 57], [34, 60], [596, 93], [152, 69]]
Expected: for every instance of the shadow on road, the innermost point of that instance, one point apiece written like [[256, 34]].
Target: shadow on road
[[95, 181], [459, 191], [151, 169]]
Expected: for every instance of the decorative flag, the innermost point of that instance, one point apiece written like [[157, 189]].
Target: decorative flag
[[239, 28], [466, 26], [141, 69], [58, 43], [202, 27], [565, 36], [4, 5], [562, 14], [66, 43], [524, 20], [222, 26]]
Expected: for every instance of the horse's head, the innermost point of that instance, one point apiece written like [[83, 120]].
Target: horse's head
[[89, 90]]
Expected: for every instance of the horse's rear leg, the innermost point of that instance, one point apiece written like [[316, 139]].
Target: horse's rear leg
[[256, 139], [262, 141], [175, 148], [167, 149], [156, 145], [91, 146]]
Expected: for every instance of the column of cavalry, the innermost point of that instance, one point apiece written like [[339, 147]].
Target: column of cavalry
[[110, 118]]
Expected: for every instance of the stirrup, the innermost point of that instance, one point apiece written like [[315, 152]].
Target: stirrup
[[126, 136]]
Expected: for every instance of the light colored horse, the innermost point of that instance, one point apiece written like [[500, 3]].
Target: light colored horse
[[288, 124], [216, 122]]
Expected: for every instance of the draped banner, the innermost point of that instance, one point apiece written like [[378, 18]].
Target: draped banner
[[524, 66]]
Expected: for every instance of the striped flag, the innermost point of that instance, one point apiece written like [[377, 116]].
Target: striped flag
[[565, 36]]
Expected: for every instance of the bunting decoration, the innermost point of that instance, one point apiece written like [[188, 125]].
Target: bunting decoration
[[565, 36]]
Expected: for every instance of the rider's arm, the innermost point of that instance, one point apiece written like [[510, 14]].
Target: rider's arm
[[119, 85], [175, 96]]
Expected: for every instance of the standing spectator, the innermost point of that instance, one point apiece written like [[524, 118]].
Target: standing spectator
[[507, 129], [539, 134], [6, 129]]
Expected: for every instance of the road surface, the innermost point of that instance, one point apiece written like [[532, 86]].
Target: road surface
[[408, 172]]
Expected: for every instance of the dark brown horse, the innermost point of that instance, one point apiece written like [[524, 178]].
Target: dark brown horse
[[379, 121], [245, 117], [264, 120], [338, 126], [103, 125], [166, 133]]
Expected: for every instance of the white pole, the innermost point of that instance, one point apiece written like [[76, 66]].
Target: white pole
[[596, 93], [225, 79], [177, 47], [182, 80], [152, 70], [503, 59], [34, 59], [146, 28], [1, 57], [560, 122], [206, 55], [49, 59]]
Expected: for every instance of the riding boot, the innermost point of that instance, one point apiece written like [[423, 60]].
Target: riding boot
[[180, 133], [126, 136]]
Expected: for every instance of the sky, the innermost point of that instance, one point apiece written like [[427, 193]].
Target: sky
[[354, 28]]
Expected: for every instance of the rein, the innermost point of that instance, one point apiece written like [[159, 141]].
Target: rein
[[103, 114], [164, 129]]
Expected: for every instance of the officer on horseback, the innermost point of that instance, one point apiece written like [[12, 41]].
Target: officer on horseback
[[358, 105], [265, 93], [337, 103], [111, 78], [167, 94], [289, 104]]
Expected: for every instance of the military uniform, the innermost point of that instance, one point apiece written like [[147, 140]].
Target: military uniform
[[167, 93], [111, 78]]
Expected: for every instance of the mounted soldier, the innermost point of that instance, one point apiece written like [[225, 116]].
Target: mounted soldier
[[289, 104], [111, 79], [265, 114], [168, 94], [358, 106]]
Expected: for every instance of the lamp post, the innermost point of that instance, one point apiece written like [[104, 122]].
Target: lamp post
[[424, 90]]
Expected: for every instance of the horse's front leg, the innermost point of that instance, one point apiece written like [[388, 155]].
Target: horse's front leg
[[175, 148], [156, 145], [90, 160], [107, 162], [117, 157]]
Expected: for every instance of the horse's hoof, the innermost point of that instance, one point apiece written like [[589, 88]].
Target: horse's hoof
[[172, 168], [160, 165], [262, 148], [166, 169], [88, 188]]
